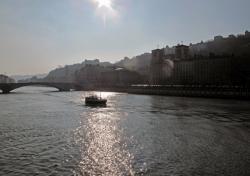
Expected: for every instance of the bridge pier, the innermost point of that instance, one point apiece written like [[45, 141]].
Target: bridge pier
[[5, 91], [64, 90]]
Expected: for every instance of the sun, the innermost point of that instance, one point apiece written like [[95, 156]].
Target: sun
[[105, 9], [104, 3]]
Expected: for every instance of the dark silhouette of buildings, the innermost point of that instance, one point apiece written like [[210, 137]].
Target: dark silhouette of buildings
[[218, 62], [182, 52], [139, 64], [94, 76], [223, 61], [6, 79], [156, 69]]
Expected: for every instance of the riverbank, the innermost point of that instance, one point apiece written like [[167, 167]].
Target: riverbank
[[224, 92]]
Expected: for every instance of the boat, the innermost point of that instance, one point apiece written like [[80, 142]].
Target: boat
[[95, 101]]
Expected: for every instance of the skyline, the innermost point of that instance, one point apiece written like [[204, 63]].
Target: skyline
[[37, 36]]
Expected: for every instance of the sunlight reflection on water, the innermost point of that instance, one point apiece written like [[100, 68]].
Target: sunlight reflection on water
[[102, 150]]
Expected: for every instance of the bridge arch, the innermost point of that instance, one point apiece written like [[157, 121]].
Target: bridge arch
[[39, 85], [8, 87]]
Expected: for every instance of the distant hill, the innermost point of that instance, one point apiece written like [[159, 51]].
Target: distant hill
[[140, 63], [24, 77], [67, 73]]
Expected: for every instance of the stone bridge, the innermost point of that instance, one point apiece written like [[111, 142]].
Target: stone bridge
[[8, 87]]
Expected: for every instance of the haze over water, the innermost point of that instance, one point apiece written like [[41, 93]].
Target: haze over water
[[44, 132]]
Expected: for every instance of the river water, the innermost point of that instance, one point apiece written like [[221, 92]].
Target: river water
[[44, 132]]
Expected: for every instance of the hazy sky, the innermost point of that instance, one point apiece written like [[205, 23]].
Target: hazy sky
[[38, 35]]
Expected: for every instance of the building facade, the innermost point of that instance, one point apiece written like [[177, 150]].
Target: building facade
[[6, 79], [182, 52], [183, 69], [156, 67], [215, 71]]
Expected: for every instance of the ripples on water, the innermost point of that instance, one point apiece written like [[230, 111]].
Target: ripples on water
[[43, 132], [103, 149]]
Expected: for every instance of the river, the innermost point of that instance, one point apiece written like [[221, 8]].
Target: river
[[44, 132]]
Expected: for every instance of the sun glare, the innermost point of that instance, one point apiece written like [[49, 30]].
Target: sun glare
[[105, 9], [104, 3]]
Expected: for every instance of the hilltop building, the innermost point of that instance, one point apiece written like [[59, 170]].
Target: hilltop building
[[92, 76], [247, 34], [6, 79], [140, 64], [182, 52]]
